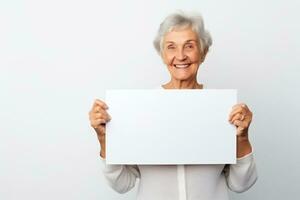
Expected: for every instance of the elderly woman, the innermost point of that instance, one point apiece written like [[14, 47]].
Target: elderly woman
[[182, 42]]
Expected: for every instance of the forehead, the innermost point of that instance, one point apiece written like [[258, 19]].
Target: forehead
[[180, 36]]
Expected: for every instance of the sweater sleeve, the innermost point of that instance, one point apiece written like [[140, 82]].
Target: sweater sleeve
[[242, 175], [121, 178]]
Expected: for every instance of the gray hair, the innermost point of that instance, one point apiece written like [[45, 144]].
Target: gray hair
[[183, 20]]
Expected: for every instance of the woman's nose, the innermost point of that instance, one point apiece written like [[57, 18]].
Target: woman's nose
[[180, 55]]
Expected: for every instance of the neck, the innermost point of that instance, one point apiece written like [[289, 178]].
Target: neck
[[183, 84]]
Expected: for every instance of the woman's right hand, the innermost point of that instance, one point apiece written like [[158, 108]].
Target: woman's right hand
[[98, 118]]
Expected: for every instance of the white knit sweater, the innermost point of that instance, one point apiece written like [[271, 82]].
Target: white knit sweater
[[183, 182]]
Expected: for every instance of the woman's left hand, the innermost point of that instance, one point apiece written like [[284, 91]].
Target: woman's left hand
[[241, 117]]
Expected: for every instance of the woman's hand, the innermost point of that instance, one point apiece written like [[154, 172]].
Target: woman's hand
[[98, 118], [241, 117]]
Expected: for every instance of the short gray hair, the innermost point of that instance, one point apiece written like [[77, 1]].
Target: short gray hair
[[183, 20]]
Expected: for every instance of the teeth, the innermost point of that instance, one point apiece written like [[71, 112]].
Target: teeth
[[181, 66]]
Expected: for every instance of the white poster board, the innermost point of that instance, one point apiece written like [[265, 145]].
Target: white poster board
[[170, 127]]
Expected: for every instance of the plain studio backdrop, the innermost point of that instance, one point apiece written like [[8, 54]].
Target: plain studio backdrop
[[57, 56]]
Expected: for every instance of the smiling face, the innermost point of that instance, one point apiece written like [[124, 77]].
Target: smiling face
[[181, 53]]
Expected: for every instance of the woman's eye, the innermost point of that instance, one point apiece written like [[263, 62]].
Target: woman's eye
[[189, 46], [171, 47]]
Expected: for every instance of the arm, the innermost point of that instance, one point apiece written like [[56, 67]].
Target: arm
[[242, 175], [121, 178]]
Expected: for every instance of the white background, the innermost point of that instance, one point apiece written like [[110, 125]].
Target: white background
[[57, 56]]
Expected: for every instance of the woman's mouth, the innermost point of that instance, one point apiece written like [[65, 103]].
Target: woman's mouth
[[181, 66]]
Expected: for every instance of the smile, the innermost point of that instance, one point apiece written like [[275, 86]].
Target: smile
[[182, 66]]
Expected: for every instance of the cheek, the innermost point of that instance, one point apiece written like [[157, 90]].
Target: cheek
[[195, 57], [168, 59]]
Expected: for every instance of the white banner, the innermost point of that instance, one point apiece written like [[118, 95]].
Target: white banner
[[170, 127]]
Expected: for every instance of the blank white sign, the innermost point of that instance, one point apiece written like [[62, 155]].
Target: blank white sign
[[170, 127]]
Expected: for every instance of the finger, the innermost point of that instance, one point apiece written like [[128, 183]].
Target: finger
[[101, 114], [235, 111], [239, 123], [238, 116], [245, 124], [100, 103], [105, 116], [243, 105], [98, 122], [98, 109]]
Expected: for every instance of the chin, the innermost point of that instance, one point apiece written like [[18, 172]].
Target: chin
[[182, 77]]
